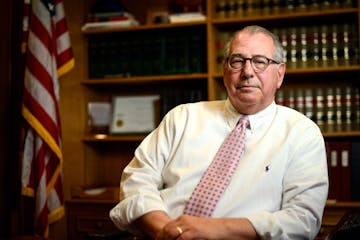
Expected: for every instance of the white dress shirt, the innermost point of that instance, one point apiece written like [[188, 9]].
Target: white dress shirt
[[280, 185]]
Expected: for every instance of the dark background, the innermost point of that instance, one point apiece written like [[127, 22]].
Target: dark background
[[10, 117]]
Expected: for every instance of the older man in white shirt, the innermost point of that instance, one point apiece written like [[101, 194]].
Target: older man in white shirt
[[280, 185]]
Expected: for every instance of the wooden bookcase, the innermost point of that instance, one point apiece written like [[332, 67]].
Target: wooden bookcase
[[97, 161]]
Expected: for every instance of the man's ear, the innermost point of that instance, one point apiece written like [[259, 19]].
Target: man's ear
[[224, 66], [281, 74]]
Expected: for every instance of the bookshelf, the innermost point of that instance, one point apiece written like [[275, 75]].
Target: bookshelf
[[103, 156]]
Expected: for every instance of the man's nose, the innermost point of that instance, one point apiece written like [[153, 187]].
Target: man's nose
[[247, 68]]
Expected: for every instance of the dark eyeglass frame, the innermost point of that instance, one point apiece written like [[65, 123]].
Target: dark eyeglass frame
[[267, 61]]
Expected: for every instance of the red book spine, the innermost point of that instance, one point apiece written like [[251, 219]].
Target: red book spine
[[334, 171]]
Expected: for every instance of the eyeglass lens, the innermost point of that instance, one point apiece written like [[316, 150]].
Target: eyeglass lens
[[259, 63]]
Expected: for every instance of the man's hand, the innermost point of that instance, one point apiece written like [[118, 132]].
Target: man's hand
[[188, 227]]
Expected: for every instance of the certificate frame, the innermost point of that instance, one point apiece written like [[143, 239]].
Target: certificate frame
[[134, 114]]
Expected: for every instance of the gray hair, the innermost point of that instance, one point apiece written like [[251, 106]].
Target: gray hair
[[254, 29]]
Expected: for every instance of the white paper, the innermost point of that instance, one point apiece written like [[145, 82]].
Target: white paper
[[134, 114]]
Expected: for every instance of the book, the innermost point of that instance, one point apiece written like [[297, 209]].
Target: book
[[186, 17], [105, 17], [300, 100], [283, 37], [293, 47], [315, 47], [347, 44], [280, 99], [221, 40], [109, 20], [355, 103], [333, 171], [170, 63], [267, 7], [347, 105], [221, 8], [240, 8], [110, 24], [182, 54], [197, 52], [330, 108], [345, 163], [171, 98], [338, 106], [303, 47], [309, 104], [289, 5], [231, 8], [335, 44], [339, 166], [325, 45], [290, 99], [319, 107], [355, 170]]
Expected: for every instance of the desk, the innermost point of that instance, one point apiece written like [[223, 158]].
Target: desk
[[332, 214], [86, 217]]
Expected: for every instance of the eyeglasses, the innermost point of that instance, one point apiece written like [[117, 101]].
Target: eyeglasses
[[258, 62]]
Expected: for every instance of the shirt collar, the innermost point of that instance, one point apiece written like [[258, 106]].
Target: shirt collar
[[255, 120]]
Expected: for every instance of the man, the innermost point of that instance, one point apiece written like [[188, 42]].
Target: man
[[279, 188]]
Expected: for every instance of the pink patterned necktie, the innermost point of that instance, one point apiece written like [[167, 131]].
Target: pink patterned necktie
[[218, 175]]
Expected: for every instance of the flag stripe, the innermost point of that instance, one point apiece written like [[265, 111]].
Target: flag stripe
[[62, 46], [41, 115], [42, 33], [41, 12], [41, 131], [41, 75], [63, 65], [42, 52]]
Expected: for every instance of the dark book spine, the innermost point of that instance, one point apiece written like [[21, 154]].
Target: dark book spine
[[325, 45], [300, 100], [320, 109], [280, 98], [355, 170], [348, 105], [338, 107], [197, 53], [221, 40], [309, 104], [182, 54], [333, 171], [221, 9], [303, 47], [291, 98], [170, 53], [345, 155], [335, 44], [330, 108], [294, 45], [94, 54], [314, 46], [285, 43]]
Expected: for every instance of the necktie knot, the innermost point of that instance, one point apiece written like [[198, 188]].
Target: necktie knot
[[244, 121], [242, 124]]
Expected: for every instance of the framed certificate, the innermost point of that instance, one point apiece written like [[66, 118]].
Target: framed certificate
[[134, 114]]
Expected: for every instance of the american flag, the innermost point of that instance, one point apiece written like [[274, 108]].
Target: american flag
[[48, 56]]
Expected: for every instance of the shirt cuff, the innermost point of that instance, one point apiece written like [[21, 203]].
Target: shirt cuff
[[265, 225]]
